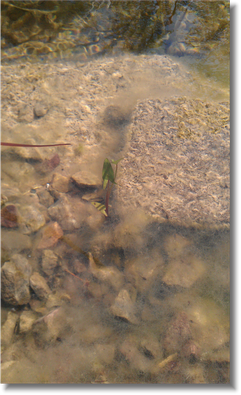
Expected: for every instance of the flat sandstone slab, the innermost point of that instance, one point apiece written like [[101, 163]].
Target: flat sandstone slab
[[176, 166]]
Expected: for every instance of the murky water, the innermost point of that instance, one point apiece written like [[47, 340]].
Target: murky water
[[140, 295]]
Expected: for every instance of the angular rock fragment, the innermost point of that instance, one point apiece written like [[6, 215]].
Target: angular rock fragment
[[107, 274], [39, 286], [15, 275], [49, 262], [26, 321], [124, 308], [30, 219], [70, 213], [84, 179], [50, 235]]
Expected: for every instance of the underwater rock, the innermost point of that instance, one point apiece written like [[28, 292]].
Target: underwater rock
[[15, 275], [40, 109], [177, 334], [30, 219], [184, 271], [39, 285], [60, 183], [49, 328], [57, 299], [50, 235], [143, 270], [209, 324], [107, 274], [85, 179], [15, 241], [124, 308], [9, 216], [44, 197], [7, 329], [49, 262], [69, 212], [27, 318]]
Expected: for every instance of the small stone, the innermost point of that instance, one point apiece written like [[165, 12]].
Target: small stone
[[39, 286], [107, 274], [26, 321], [44, 197], [69, 212], [40, 110], [48, 328], [30, 219], [49, 262], [60, 183], [50, 235], [124, 308], [15, 275], [85, 179]]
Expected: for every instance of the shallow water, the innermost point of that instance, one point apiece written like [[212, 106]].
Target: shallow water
[[129, 298]]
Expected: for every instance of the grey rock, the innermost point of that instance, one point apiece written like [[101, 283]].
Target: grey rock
[[15, 275], [39, 286]]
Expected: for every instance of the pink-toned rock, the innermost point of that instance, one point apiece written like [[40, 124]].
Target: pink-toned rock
[[51, 233]]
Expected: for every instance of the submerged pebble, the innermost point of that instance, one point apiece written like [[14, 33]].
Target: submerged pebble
[[15, 275]]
